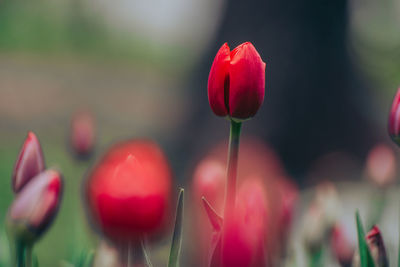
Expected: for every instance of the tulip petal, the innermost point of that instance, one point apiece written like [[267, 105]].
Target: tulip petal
[[247, 82], [30, 162], [219, 76]]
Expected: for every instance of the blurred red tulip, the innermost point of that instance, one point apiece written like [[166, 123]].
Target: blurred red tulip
[[30, 162], [377, 247], [243, 238], [236, 84], [208, 182], [82, 133], [381, 165], [128, 191], [35, 206], [394, 119], [342, 249]]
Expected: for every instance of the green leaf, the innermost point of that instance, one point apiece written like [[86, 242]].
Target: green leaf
[[88, 259], [215, 219], [177, 235], [365, 255]]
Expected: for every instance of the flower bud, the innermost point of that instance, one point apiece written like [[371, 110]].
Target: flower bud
[[128, 191], [35, 206], [381, 165], [30, 162], [236, 84], [82, 134], [394, 119], [377, 247]]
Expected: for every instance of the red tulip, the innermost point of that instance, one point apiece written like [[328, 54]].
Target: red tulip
[[35, 206], [243, 238], [236, 84], [394, 119], [30, 162], [377, 247], [128, 191], [82, 133]]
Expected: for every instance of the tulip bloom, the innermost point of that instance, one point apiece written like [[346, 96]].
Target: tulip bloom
[[82, 133], [394, 119], [128, 191], [381, 165], [30, 162], [236, 84], [35, 206]]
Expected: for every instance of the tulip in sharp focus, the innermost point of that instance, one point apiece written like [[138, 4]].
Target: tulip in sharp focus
[[236, 84], [128, 191], [82, 133], [30, 162], [35, 206], [394, 119]]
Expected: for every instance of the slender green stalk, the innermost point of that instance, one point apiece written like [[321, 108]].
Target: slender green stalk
[[20, 254], [28, 256], [233, 153], [177, 235]]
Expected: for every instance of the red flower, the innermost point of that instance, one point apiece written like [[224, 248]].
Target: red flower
[[394, 119], [82, 133], [236, 84], [36, 205], [244, 238], [341, 246], [30, 162], [129, 191]]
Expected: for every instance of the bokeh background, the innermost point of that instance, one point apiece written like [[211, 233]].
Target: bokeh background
[[141, 68]]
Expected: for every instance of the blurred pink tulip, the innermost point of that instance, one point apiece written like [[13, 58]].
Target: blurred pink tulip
[[35, 206], [381, 165], [82, 133], [341, 247], [30, 162]]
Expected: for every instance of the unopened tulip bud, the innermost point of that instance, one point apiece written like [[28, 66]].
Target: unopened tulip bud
[[35, 206], [30, 162], [381, 165], [394, 119], [377, 247], [128, 191], [236, 84], [82, 134]]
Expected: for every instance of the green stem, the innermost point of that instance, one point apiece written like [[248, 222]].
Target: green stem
[[28, 256], [233, 153], [20, 254]]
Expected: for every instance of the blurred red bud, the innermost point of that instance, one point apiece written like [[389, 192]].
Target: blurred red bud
[[128, 191], [381, 165], [394, 119], [35, 206], [342, 249], [82, 137], [377, 247], [236, 84], [244, 233], [30, 162]]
